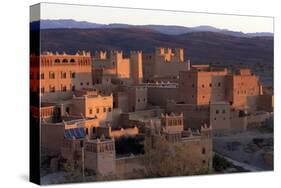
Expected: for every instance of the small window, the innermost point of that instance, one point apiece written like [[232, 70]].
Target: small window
[[52, 89], [73, 75], [64, 60], [210, 85], [138, 100], [203, 151], [203, 85], [73, 88], [104, 109], [91, 111], [42, 90], [98, 110], [67, 110], [63, 75], [223, 111], [42, 76], [219, 84], [81, 83], [109, 109], [72, 60], [217, 111], [63, 88], [87, 83], [52, 75], [57, 61]]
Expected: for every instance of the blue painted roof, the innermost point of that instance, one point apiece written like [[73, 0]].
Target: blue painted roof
[[76, 133]]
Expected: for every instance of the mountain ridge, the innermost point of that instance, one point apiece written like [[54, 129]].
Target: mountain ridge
[[164, 29], [200, 47]]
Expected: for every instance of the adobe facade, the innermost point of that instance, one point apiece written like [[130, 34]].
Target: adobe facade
[[61, 74], [205, 84]]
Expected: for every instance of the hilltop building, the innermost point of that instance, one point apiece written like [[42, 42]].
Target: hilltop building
[[164, 63]]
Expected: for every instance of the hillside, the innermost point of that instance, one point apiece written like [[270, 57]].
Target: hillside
[[200, 47]]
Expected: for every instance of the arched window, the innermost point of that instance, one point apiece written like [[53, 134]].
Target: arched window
[[72, 60], [64, 60], [57, 61]]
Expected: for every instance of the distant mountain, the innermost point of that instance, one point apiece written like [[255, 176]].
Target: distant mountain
[[164, 29], [200, 47], [66, 23]]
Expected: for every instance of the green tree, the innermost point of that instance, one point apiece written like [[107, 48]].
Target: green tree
[[171, 159]]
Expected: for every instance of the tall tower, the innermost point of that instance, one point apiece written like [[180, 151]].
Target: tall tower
[[172, 126], [136, 67], [100, 156], [207, 145]]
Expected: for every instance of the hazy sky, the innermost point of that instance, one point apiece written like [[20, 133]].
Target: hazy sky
[[106, 15]]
